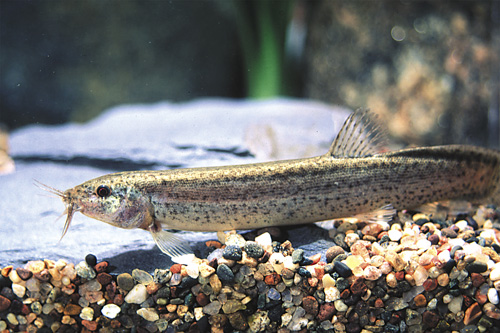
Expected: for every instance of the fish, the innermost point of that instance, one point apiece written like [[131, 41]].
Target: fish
[[357, 175]]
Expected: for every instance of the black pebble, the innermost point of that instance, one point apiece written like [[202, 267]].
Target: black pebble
[[304, 272], [203, 324], [342, 284], [91, 260], [254, 250], [306, 262], [5, 282], [421, 222], [472, 222], [342, 269], [232, 252], [496, 247], [455, 249], [187, 282], [448, 266], [225, 273]]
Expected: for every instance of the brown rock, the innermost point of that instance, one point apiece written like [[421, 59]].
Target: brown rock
[[480, 298], [430, 319], [153, 287], [358, 287], [332, 252], [345, 294], [287, 273], [72, 310], [90, 325], [430, 284], [472, 313], [202, 299], [118, 299], [176, 268], [214, 244], [238, 321], [310, 304], [272, 279], [326, 311], [491, 311], [467, 301], [420, 300], [24, 274], [4, 303], [101, 267], [6, 271], [448, 232], [477, 279], [379, 303], [43, 276], [104, 278], [400, 276], [218, 320]]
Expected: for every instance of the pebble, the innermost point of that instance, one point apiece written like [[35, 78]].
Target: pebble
[[493, 296], [232, 252], [253, 249], [141, 276], [148, 314], [137, 294], [84, 270], [212, 308], [225, 273], [125, 281], [369, 283], [333, 252], [342, 269], [110, 310]]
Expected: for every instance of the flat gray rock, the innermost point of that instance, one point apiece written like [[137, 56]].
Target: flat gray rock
[[141, 137]]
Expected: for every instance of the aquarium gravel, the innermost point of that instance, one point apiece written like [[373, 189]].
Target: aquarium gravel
[[418, 273]]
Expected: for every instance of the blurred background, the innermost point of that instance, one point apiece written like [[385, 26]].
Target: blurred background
[[430, 69]]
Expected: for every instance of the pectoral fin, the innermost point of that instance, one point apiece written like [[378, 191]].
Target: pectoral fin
[[173, 245], [383, 216]]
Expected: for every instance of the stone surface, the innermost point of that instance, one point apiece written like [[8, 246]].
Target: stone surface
[[172, 135]]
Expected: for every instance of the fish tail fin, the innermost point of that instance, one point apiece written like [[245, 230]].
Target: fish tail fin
[[360, 136]]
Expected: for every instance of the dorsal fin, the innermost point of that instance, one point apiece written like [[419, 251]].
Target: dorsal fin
[[360, 136]]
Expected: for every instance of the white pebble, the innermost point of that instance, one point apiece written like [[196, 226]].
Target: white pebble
[[149, 314], [340, 305], [198, 313], [276, 261], [18, 290], [495, 274], [328, 281], [288, 263], [462, 224], [192, 270], [455, 304], [110, 311], [331, 294], [137, 295], [264, 240], [395, 235], [493, 296], [423, 244]]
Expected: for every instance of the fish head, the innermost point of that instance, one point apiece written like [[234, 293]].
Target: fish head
[[114, 202]]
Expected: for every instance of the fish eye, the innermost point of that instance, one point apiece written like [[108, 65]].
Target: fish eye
[[103, 191]]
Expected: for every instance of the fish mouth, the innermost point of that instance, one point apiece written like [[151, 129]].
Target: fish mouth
[[70, 205]]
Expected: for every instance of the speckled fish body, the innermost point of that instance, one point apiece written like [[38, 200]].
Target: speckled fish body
[[352, 178], [311, 189]]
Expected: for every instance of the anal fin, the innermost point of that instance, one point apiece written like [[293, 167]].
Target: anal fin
[[174, 246], [382, 215]]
